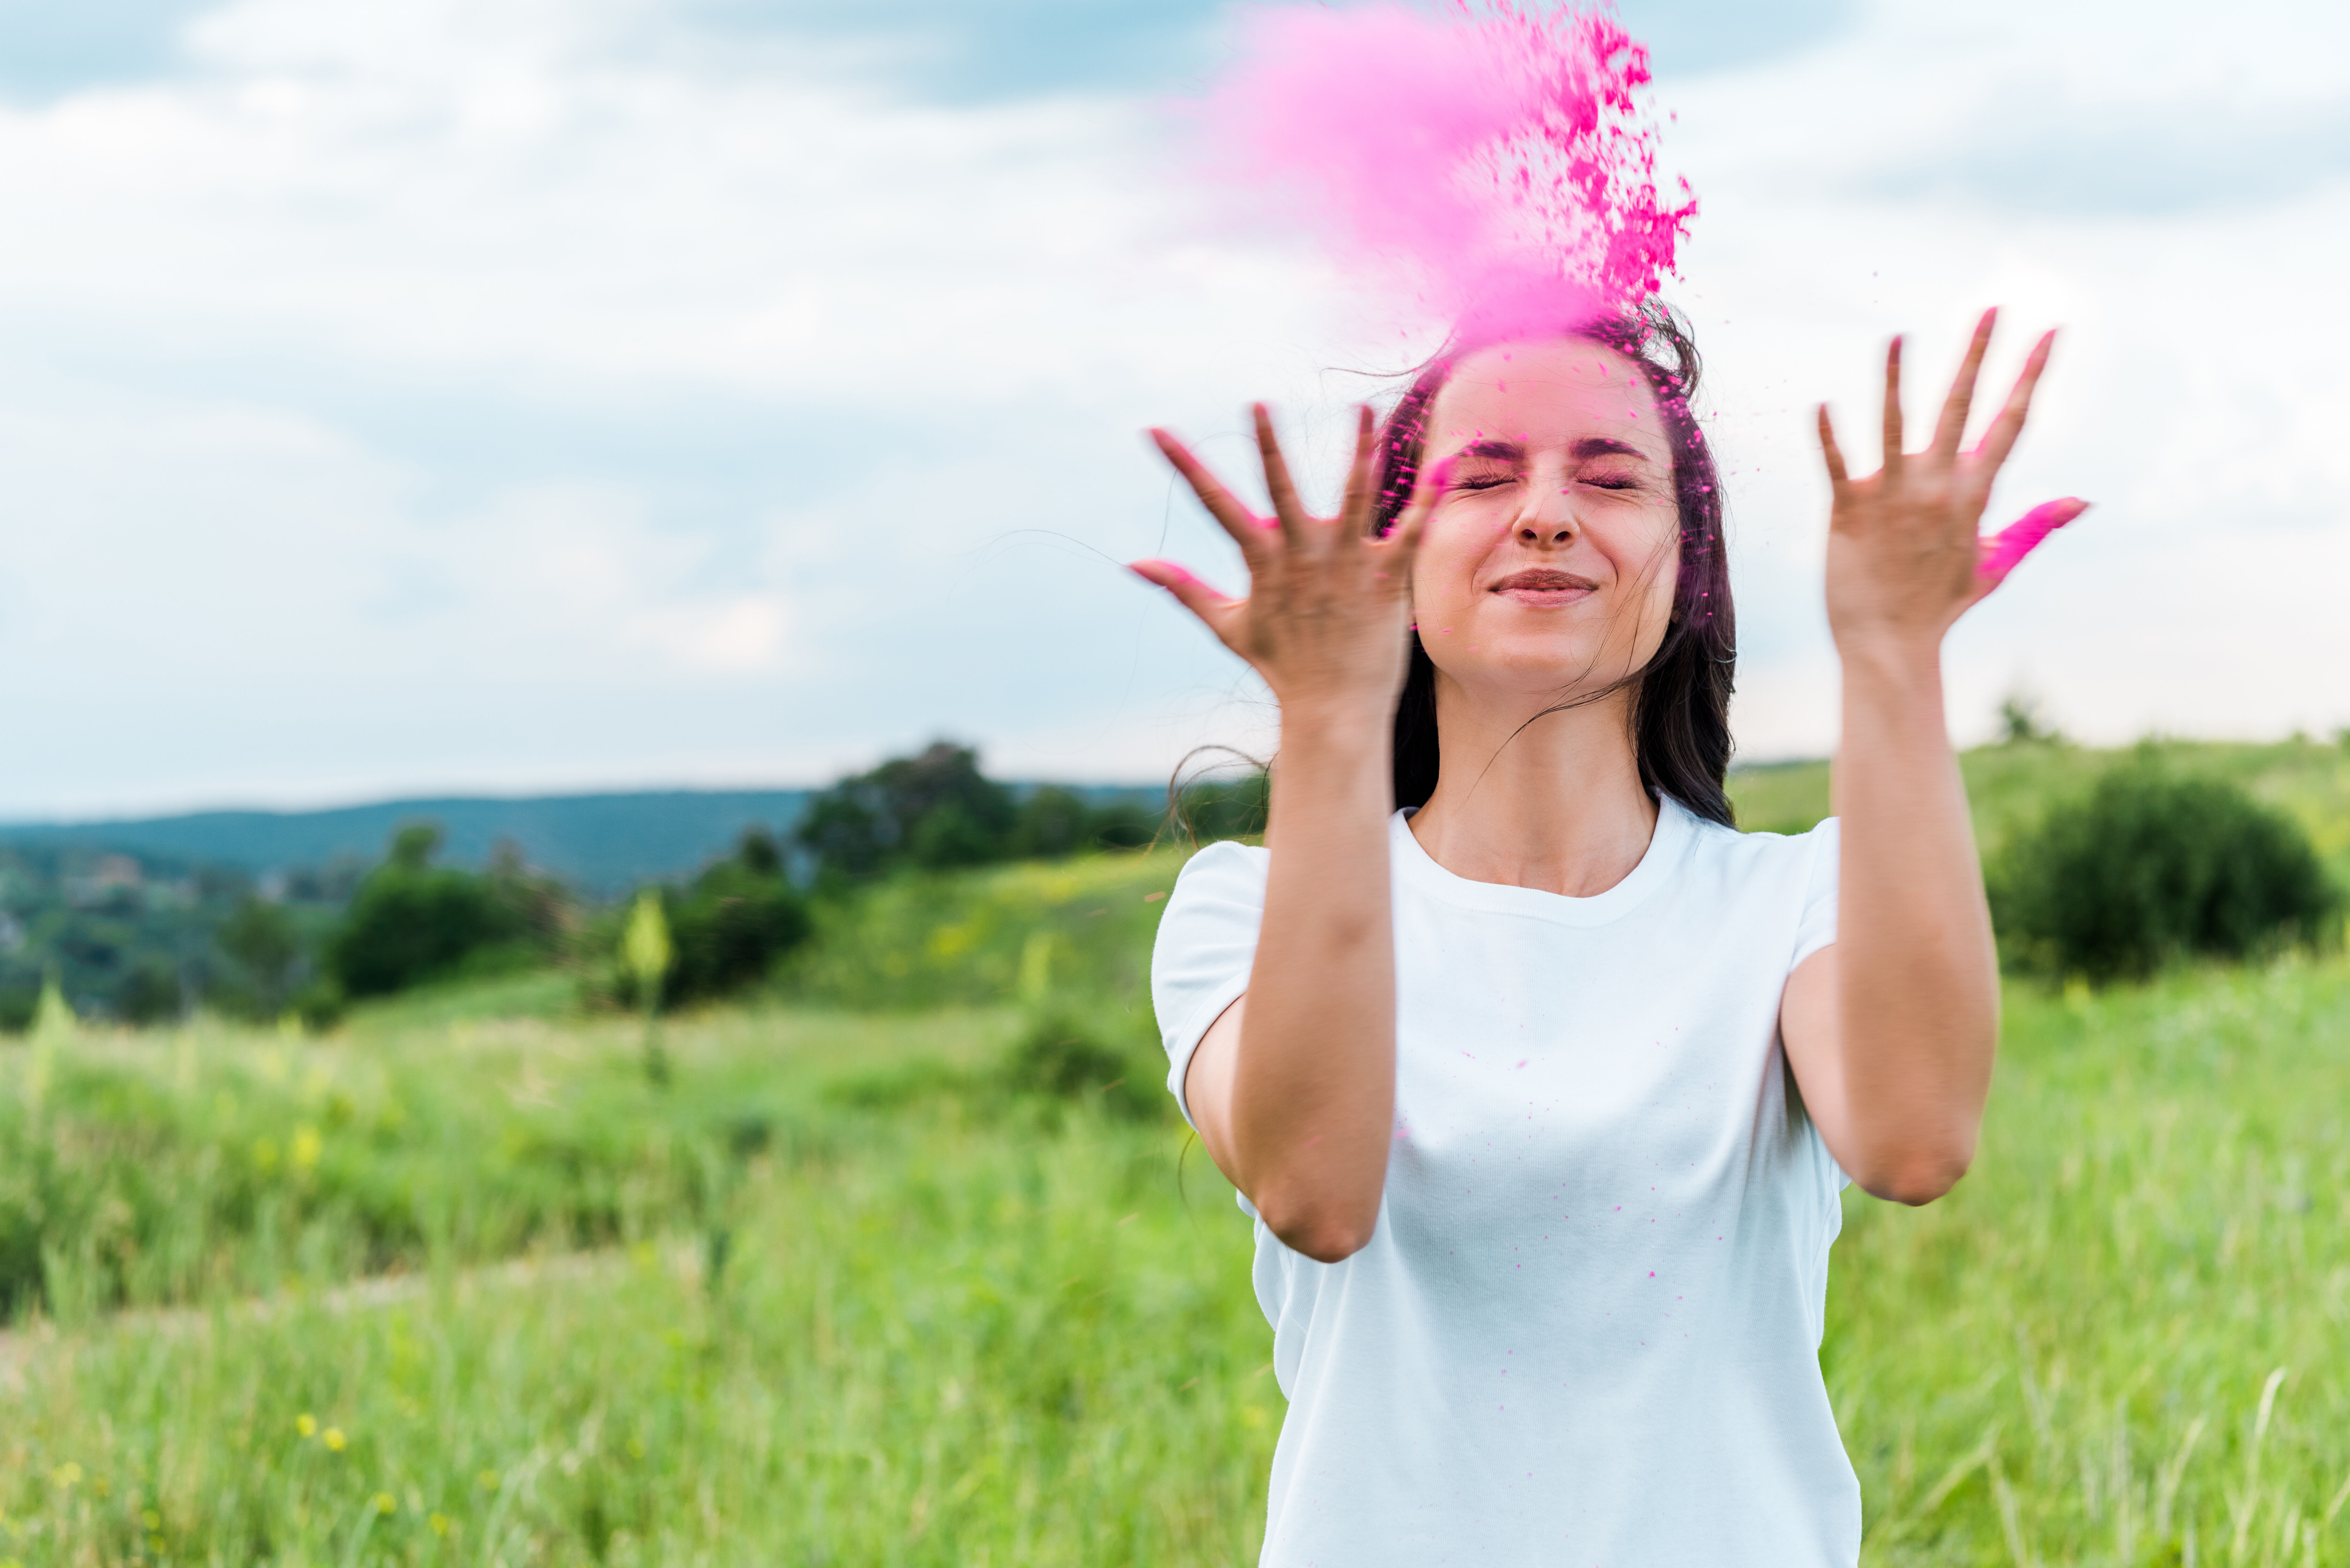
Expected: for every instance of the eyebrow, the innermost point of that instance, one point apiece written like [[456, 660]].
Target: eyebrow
[[1588, 447]]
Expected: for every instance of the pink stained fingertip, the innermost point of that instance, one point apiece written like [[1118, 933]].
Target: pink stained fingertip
[[2005, 549], [1163, 574]]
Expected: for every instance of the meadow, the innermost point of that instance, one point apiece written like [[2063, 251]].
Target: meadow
[[877, 1277]]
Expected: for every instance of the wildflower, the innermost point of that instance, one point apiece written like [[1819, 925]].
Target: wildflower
[[305, 1148], [440, 1524], [307, 1424], [489, 1480], [386, 1503], [151, 1520], [335, 1439], [65, 1474]]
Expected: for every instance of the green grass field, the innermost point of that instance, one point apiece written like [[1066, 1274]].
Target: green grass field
[[459, 1285]]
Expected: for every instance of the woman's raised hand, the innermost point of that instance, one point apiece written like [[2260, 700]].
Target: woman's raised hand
[[1906, 554], [1328, 603]]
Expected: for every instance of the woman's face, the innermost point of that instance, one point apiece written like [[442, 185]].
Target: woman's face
[[1549, 563]]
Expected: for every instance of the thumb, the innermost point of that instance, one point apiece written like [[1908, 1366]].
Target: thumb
[[1213, 610], [2004, 550]]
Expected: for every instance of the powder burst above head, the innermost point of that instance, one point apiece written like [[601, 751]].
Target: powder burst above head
[[1495, 163]]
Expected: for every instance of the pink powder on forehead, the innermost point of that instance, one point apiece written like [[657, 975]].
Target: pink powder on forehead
[[1493, 161]]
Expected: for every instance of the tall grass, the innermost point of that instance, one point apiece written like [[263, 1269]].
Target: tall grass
[[884, 1274], [142, 1171], [2121, 1340], [964, 1330]]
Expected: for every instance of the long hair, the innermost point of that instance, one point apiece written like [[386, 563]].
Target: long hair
[[1680, 702]]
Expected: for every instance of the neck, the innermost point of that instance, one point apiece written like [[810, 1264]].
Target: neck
[[1556, 805]]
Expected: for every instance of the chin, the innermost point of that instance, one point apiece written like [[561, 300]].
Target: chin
[[1545, 669]]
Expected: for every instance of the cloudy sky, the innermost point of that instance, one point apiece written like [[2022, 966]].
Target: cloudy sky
[[506, 395]]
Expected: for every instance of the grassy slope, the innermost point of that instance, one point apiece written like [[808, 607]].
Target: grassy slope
[[972, 1329], [2010, 785], [943, 1336]]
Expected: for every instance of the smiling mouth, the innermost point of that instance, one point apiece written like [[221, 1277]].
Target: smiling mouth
[[1543, 586]]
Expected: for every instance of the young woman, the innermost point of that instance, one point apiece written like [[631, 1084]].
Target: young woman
[[1541, 1089]]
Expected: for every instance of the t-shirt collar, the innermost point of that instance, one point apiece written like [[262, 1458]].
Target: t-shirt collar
[[1417, 870]]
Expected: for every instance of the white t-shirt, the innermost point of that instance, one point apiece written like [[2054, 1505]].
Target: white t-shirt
[[1586, 1332]]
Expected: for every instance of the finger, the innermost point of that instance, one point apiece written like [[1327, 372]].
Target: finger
[[1999, 440], [1893, 409], [1355, 508], [1951, 429], [1214, 609], [1832, 453], [1286, 508], [2004, 549], [1247, 529], [1408, 528]]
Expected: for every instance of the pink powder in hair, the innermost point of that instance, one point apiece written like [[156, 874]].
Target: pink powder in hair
[[1494, 162]]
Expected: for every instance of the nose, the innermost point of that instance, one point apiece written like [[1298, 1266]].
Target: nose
[[1549, 516]]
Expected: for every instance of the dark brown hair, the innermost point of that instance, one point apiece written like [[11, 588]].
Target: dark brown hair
[[1681, 696]]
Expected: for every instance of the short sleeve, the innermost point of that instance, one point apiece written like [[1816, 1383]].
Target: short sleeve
[[1207, 941], [1818, 928]]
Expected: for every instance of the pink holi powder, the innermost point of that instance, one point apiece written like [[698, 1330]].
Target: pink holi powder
[[1493, 163]]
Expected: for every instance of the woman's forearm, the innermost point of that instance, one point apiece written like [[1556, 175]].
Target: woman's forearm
[[1313, 1086], [1919, 1000]]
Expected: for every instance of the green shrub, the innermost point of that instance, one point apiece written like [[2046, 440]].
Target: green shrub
[[411, 921], [1210, 809], [2150, 866], [1055, 822], [935, 810], [731, 926], [1064, 1056], [150, 994], [726, 930], [261, 938]]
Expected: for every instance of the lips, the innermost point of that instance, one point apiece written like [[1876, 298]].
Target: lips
[[1542, 586]]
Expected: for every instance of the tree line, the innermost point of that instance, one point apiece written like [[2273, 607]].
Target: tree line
[[410, 919]]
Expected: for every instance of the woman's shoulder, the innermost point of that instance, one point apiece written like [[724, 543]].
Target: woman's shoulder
[[1227, 861], [1216, 905], [1761, 854]]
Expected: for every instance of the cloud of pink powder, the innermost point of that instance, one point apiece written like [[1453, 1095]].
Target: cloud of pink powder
[[1492, 164]]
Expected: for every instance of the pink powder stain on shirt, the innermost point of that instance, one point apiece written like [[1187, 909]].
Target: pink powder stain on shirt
[[1496, 163]]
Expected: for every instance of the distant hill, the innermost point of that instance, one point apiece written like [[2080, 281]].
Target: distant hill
[[596, 842], [600, 844]]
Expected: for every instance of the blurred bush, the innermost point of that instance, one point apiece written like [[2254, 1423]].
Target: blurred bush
[[725, 930], [2149, 865], [263, 942], [411, 921], [1063, 1054], [937, 812], [1210, 809], [733, 923]]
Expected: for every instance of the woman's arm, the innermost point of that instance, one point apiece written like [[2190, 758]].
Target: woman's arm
[[1891, 1030], [1294, 1090]]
